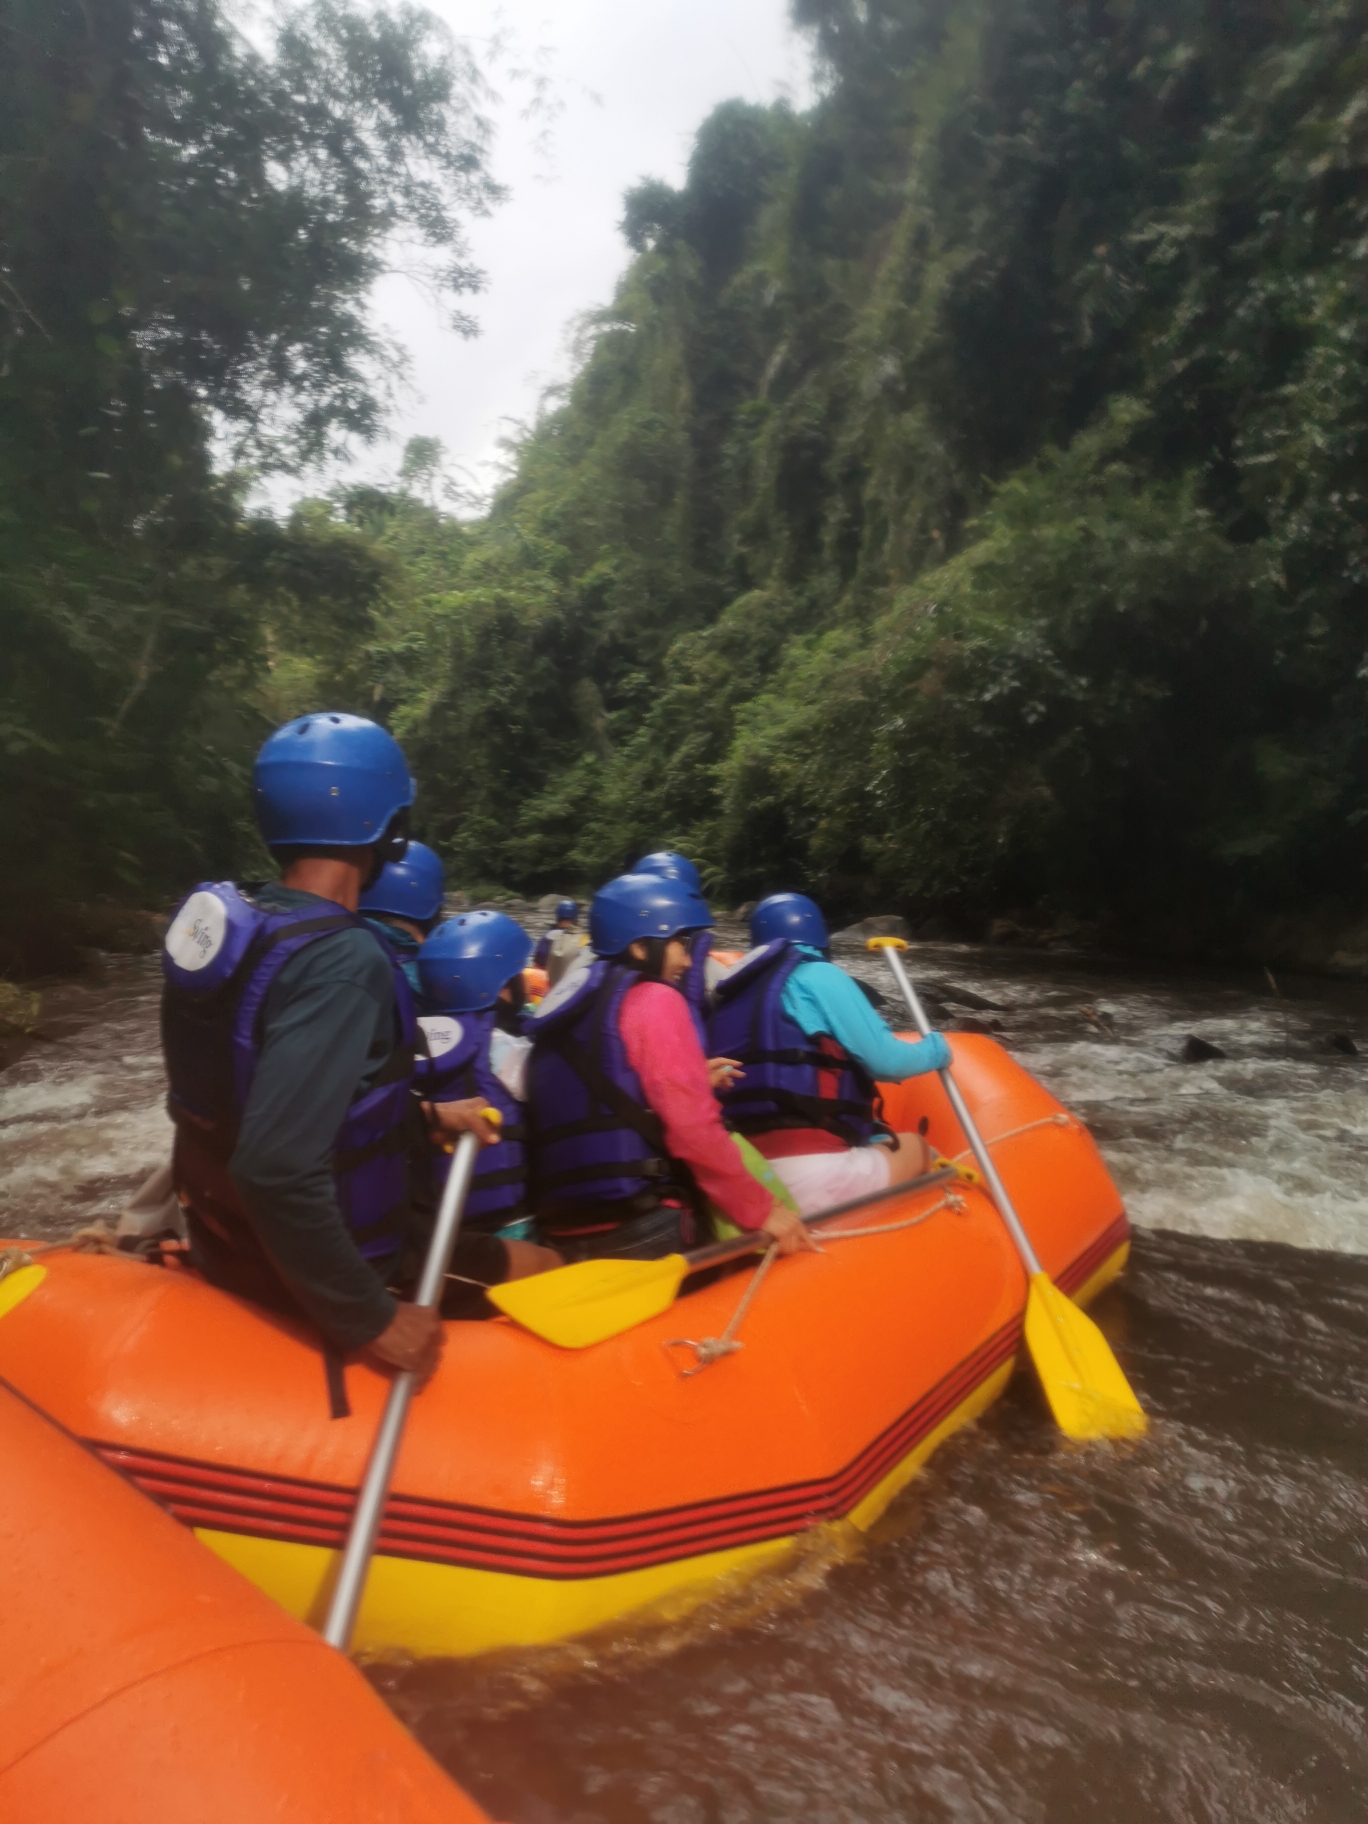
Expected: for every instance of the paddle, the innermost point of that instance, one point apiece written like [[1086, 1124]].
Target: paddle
[[1088, 1394], [370, 1501], [592, 1300]]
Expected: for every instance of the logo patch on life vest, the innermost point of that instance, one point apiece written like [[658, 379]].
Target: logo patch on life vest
[[443, 1033], [197, 934]]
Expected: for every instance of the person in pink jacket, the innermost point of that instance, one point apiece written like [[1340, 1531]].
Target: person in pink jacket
[[626, 1133]]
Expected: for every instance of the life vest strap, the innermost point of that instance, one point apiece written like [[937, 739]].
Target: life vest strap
[[651, 1166]]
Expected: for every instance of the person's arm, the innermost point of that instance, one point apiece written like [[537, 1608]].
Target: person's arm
[[662, 1048], [819, 997], [318, 1040]]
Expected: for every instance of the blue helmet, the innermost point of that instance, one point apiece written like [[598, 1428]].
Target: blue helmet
[[567, 908], [329, 781], [467, 960], [672, 866], [791, 915], [643, 905], [411, 888]]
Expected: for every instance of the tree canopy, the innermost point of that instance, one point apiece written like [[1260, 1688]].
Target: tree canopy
[[959, 509], [189, 228]]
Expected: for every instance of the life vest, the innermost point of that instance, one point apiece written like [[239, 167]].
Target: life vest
[[454, 1063], [791, 1080], [594, 1138], [222, 954]]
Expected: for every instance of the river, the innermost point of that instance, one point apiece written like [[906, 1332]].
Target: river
[[1035, 1634]]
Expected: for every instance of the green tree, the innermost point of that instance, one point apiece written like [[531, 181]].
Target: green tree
[[189, 229]]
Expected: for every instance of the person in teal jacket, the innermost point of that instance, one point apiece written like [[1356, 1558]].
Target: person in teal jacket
[[810, 1050]]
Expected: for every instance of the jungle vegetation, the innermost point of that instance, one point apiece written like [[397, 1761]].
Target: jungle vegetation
[[959, 510]]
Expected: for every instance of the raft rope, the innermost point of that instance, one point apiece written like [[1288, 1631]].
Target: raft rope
[[92, 1238], [1056, 1120], [710, 1349]]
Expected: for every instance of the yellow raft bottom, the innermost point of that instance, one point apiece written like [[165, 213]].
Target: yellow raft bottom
[[451, 1611]]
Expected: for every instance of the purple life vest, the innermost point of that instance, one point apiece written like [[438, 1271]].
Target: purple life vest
[[454, 1065], [792, 1080], [222, 954], [595, 1140]]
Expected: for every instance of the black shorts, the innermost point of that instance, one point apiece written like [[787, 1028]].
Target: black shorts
[[479, 1261]]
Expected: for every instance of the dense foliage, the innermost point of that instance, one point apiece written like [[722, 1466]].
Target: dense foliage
[[961, 509], [188, 232]]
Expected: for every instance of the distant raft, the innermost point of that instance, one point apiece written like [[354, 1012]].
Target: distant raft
[[143, 1682], [543, 1493]]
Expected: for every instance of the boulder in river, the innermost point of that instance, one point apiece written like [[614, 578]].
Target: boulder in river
[[1342, 1042], [1199, 1051], [884, 924]]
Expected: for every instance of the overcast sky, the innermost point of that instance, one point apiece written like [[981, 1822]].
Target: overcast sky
[[633, 80]]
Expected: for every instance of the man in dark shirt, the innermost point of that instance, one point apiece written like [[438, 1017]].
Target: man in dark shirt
[[273, 1226]]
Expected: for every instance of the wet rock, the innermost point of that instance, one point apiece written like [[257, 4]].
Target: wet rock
[[886, 924], [1342, 1042], [548, 902], [1007, 931], [743, 912], [124, 930], [965, 997], [1199, 1051], [935, 931], [967, 1023]]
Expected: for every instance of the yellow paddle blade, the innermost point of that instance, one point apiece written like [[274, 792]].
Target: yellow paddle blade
[[591, 1300], [1088, 1394]]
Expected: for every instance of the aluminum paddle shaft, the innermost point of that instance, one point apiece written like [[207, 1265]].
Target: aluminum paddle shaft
[[982, 1157], [370, 1504]]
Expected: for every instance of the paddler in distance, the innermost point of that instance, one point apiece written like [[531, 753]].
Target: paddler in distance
[[812, 1049], [288, 1031], [627, 1136], [561, 945], [405, 905]]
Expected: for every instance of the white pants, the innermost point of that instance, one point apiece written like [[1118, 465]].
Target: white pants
[[817, 1180]]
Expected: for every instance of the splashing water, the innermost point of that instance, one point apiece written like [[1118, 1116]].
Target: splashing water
[[1035, 1634]]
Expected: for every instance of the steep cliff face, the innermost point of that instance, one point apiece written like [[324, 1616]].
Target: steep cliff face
[[962, 502]]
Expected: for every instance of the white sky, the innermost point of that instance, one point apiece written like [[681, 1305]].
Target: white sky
[[633, 79]]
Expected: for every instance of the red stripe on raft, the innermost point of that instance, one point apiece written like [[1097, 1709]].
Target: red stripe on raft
[[313, 1513]]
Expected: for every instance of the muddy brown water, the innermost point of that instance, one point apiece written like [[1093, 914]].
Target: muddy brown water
[[1172, 1630]]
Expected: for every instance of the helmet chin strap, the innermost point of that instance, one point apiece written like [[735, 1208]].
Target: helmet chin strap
[[392, 846]]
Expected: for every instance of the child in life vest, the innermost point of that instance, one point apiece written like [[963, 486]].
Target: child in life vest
[[403, 906], [470, 971]]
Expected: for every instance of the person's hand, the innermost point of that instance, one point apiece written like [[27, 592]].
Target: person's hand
[[412, 1342], [788, 1231], [723, 1072], [472, 1116]]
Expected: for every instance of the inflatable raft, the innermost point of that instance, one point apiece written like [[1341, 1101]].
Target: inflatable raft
[[143, 1682], [541, 1493]]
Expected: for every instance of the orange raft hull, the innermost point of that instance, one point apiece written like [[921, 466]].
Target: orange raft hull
[[143, 1682], [543, 1493]]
